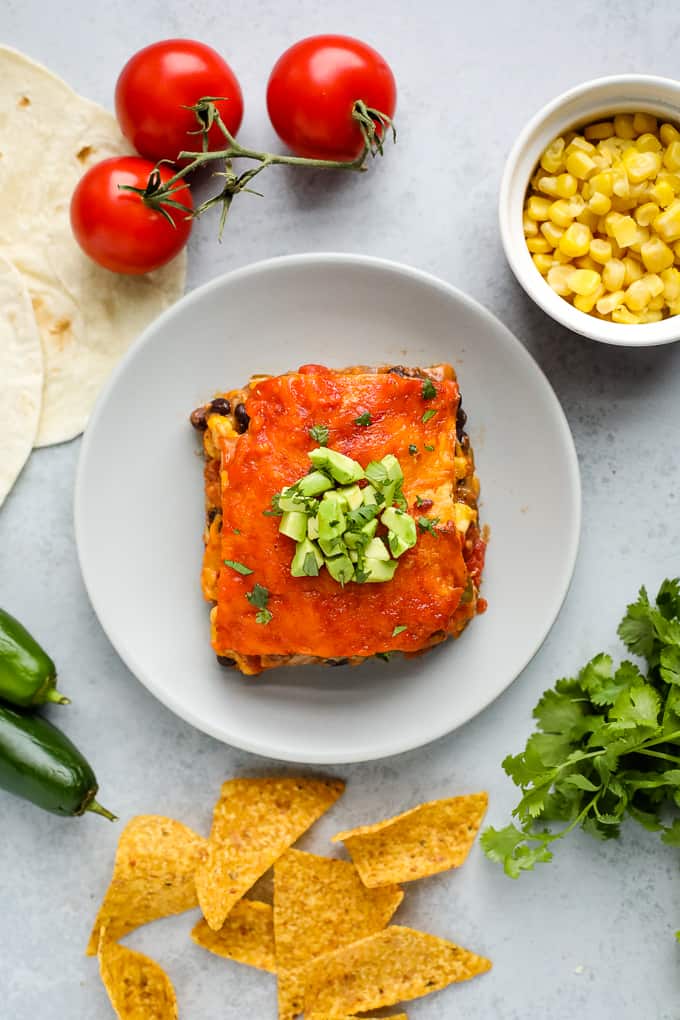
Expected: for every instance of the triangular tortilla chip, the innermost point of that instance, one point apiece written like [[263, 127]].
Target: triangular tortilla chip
[[153, 876], [254, 822], [393, 966], [430, 838], [247, 935], [138, 988], [320, 904]]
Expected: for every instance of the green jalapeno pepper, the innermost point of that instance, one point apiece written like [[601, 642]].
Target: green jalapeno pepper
[[28, 676]]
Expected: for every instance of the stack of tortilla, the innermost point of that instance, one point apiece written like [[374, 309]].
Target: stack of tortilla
[[64, 321]]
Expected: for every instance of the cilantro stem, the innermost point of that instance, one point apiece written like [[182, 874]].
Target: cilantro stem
[[660, 754]]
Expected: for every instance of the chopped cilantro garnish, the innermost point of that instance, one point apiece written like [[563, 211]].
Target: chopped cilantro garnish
[[240, 568], [430, 413], [360, 575], [399, 630], [259, 596], [319, 434], [237, 531], [429, 390], [275, 510], [363, 419], [429, 447], [355, 519], [310, 567], [419, 501], [429, 524], [264, 616], [413, 449], [385, 656]]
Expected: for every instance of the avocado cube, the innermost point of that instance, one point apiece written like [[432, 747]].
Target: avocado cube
[[379, 570], [294, 525], [312, 528], [402, 524], [332, 521], [397, 545], [376, 550], [352, 495], [302, 551], [340, 568], [343, 469], [314, 483]]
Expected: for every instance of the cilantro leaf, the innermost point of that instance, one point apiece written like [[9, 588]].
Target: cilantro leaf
[[636, 629], [429, 447], [429, 524], [376, 473], [363, 419], [264, 616], [413, 449], [429, 390], [240, 568], [319, 433], [258, 597], [355, 519], [275, 510], [428, 415], [399, 630], [310, 567]]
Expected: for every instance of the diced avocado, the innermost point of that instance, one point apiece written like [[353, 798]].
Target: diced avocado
[[376, 550], [393, 468], [340, 568], [352, 495], [312, 527], [302, 551], [314, 483], [388, 493], [332, 546], [294, 524], [332, 521], [368, 495], [397, 545], [379, 570], [336, 496], [345, 470], [290, 499], [354, 556], [370, 528], [402, 524], [354, 539]]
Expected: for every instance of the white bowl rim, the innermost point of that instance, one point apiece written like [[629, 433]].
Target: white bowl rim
[[617, 334], [282, 753]]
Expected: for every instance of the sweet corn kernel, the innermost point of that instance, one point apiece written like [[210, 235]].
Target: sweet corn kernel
[[648, 143], [529, 226], [676, 249], [640, 166], [543, 263], [671, 284], [585, 262], [657, 303], [584, 281], [586, 190], [538, 208], [551, 232], [645, 122], [558, 278], [586, 302], [667, 223], [624, 126], [667, 177], [623, 205], [576, 240], [633, 270], [642, 236], [567, 185], [656, 255], [463, 516], [561, 213], [538, 245], [668, 134], [596, 132], [581, 165], [551, 160], [606, 304], [602, 183], [548, 185], [651, 315], [654, 284], [613, 274], [599, 203], [625, 230], [600, 251], [623, 315], [638, 296], [671, 159], [644, 214], [588, 217], [663, 193], [620, 182], [579, 144]]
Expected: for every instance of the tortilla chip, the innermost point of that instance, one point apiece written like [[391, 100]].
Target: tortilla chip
[[138, 988], [427, 839], [392, 966], [327, 1016], [320, 905], [246, 936], [254, 822], [153, 876]]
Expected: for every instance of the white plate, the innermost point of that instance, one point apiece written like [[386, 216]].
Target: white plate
[[139, 503]]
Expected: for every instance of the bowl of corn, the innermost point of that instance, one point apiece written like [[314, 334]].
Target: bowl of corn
[[590, 210]]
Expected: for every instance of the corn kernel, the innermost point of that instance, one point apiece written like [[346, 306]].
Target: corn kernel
[[576, 240], [671, 159], [663, 193], [602, 183], [599, 203], [586, 302], [651, 315], [623, 315], [561, 213], [638, 296], [617, 251], [625, 230], [600, 250], [613, 274], [581, 165], [654, 284], [603, 157], [567, 185], [543, 263], [579, 144], [671, 284], [644, 214], [585, 262], [624, 127], [668, 134], [648, 142], [643, 235], [632, 270], [551, 160], [640, 166], [558, 278], [606, 304], [551, 233], [676, 249], [620, 182], [538, 245], [656, 255], [623, 205], [548, 185], [644, 122], [529, 226], [596, 132], [586, 192], [538, 208], [667, 223], [584, 281], [657, 304], [588, 217], [667, 177]]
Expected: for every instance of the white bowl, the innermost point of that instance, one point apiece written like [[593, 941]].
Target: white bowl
[[624, 93]]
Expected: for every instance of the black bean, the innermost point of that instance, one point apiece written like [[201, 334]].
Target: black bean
[[461, 419], [337, 662], [220, 406], [212, 514], [242, 418], [224, 660], [198, 418]]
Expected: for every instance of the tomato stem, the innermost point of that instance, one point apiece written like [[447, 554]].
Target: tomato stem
[[373, 125]]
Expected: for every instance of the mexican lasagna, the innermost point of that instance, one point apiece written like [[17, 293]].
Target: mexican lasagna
[[257, 444]]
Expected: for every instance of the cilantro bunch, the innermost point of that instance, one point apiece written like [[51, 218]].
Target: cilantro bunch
[[607, 745]]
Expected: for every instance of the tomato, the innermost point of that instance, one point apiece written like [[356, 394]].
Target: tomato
[[159, 81], [117, 228], [312, 90]]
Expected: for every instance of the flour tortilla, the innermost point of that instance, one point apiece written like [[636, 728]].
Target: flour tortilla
[[87, 316], [21, 376]]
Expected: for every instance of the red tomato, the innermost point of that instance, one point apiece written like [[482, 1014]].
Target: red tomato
[[116, 228], [313, 88], [159, 81]]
